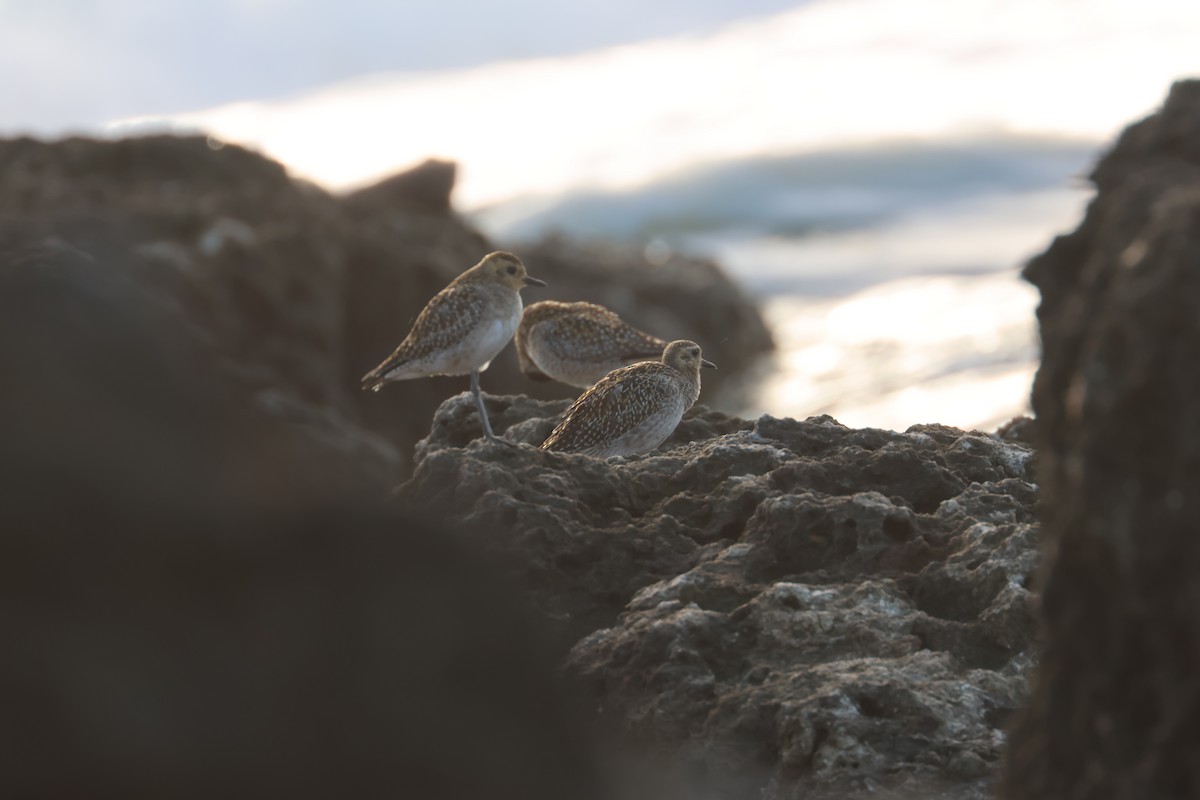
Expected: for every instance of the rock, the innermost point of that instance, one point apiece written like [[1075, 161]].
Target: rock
[[1114, 709], [796, 609], [107, 383], [299, 292], [1018, 429], [424, 189], [202, 597]]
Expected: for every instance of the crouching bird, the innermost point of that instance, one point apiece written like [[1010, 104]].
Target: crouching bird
[[633, 409]]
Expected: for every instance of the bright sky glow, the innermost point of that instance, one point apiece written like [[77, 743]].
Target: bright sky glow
[[832, 71]]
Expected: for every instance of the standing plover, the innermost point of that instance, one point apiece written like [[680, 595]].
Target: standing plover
[[578, 343], [632, 409], [462, 328]]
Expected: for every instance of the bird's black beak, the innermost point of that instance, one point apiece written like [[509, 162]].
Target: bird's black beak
[[704, 362], [532, 281]]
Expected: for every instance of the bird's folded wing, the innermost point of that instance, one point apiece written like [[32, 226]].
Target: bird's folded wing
[[444, 322], [599, 336], [618, 404]]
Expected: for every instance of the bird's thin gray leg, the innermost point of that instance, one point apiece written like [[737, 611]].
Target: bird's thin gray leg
[[483, 417]]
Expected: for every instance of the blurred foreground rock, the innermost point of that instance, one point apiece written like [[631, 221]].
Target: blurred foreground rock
[[297, 293], [201, 598], [774, 609], [1115, 711]]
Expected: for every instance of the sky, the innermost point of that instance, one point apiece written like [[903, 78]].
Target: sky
[[73, 64], [825, 73], [537, 98]]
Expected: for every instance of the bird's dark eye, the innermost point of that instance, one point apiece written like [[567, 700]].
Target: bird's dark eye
[[512, 270]]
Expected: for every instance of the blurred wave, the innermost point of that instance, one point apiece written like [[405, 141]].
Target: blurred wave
[[833, 190]]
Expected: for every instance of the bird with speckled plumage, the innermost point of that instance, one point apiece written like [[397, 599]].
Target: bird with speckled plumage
[[462, 328], [579, 343], [632, 409]]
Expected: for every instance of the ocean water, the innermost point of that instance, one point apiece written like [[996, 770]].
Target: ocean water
[[923, 318], [959, 350], [876, 172]]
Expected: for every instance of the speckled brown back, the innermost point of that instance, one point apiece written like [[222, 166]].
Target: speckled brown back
[[619, 403]]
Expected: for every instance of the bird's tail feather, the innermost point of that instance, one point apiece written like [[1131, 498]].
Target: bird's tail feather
[[374, 380]]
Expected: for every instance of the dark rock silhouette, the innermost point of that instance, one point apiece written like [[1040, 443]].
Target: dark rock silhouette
[[775, 606], [1115, 709], [201, 597], [425, 188], [299, 292]]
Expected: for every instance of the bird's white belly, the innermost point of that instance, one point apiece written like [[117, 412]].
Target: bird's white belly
[[483, 344]]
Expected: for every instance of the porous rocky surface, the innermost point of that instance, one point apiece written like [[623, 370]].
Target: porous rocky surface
[[775, 608], [1115, 710]]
